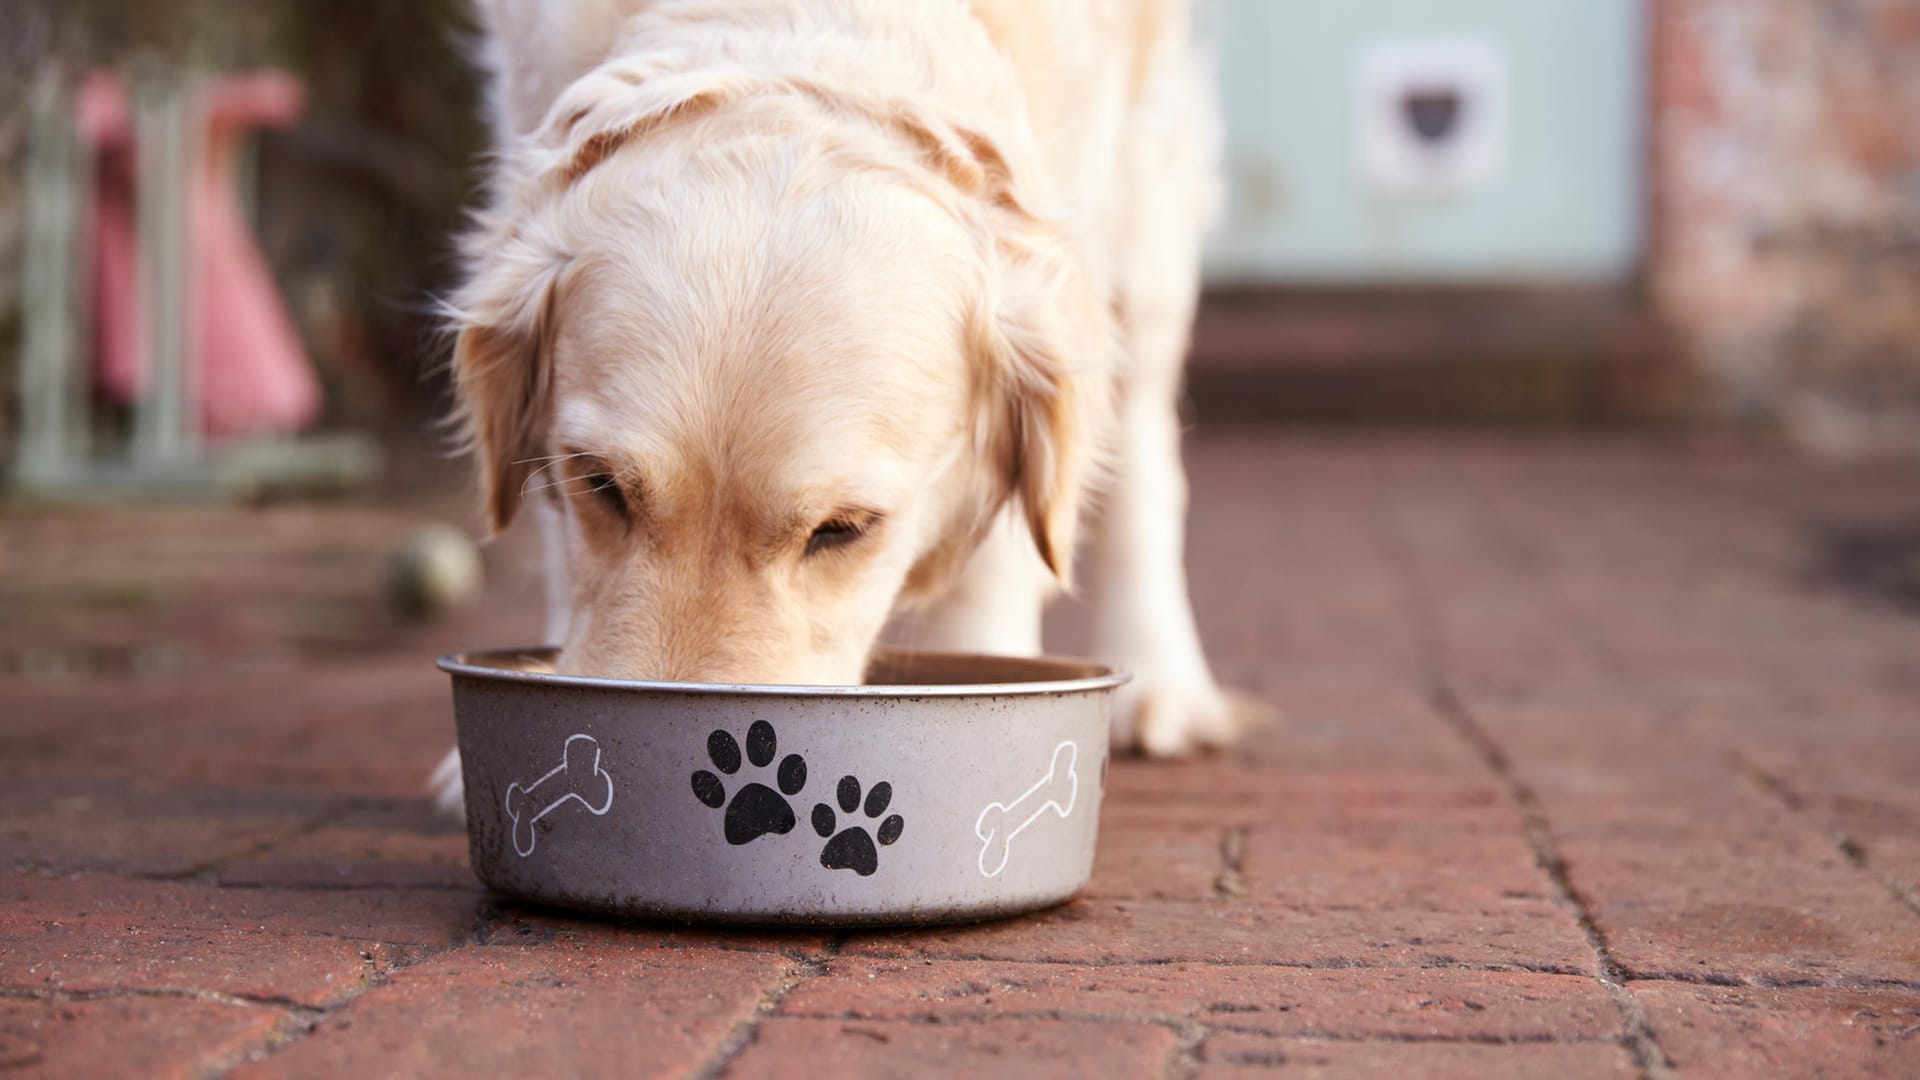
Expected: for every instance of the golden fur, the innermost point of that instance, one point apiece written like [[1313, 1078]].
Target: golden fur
[[782, 312]]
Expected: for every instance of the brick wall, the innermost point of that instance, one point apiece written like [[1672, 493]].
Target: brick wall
[[1786, 192]]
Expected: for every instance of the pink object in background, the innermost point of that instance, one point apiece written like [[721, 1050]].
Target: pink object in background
[[253, 376]]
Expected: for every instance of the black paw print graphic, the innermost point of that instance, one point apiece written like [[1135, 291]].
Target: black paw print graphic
[[851, 848], [756, 810]]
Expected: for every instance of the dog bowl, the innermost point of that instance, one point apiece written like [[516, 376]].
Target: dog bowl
[[949, 788]]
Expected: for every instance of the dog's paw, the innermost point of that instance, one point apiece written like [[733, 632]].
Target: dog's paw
[[1171, 719], [447, 787]]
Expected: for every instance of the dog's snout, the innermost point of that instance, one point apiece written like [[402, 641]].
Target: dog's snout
[[655, 630]]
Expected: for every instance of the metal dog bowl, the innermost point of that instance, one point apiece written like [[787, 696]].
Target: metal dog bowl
[[949, 788]]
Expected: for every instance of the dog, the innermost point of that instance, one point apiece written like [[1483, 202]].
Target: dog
[[800, 321]]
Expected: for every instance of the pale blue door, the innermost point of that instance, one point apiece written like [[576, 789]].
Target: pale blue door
[[1374, 141]]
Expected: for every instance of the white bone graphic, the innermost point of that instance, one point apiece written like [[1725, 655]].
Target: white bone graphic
[[999, 823], [578, 777]]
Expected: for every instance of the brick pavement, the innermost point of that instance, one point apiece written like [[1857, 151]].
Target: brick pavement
[[1595, 763]]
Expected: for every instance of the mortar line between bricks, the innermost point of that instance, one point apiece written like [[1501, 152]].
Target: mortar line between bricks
[[1200, 1027], [743, 1034], [1637, 1034], [1183, 1057], [183, 993], [1849, 847], [1764, 982], [200, 870], [475, 889], [1101, 963], [290, 1030], [1585, 975], [298, 1027]]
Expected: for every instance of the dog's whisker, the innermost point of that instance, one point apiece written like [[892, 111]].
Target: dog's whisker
[[562, 482], [551, 460], [553, 457], [607, 486], [541, 469]]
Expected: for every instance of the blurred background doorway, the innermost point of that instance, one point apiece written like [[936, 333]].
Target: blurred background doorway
[[1435, 213]]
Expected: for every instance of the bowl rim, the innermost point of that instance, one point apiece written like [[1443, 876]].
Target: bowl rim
[[472, 664]]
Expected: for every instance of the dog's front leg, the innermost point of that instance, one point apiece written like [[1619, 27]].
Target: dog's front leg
[[1142, 617], [993, 607]]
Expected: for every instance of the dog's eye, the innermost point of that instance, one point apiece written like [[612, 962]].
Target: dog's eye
[[604, 488], [833, 534]]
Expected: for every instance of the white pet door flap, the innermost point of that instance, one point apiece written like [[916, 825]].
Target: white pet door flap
[[1432, 115]]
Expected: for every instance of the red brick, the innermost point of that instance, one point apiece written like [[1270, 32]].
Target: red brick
[[1009, 1049], [1735, 893], [232, 589], [514, 924], [1884, 823], [609, 1009], [397, 843], [1385, 799], [1348, 1003], [1224, 792], [1430, 870], [90, 932], [1229, 1056], [1789, 734], [1626, 660], [1140, 861], [1384, 847], [372, 728], [1898, 23], [1689, 867], [1201, 793], [1741, 1031], [133, 1036], [1596, 742], [73, 824], [1355, 732], [1524, 934]]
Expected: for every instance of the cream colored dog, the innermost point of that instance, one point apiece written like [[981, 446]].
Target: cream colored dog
[[791, 318]]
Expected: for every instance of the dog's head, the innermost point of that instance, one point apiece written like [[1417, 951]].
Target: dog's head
[[780, 358]]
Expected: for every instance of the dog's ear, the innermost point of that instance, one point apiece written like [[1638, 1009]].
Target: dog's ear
[[503, 317], [502, 369], [621, 102], [1046, 347], [1046, 340]]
